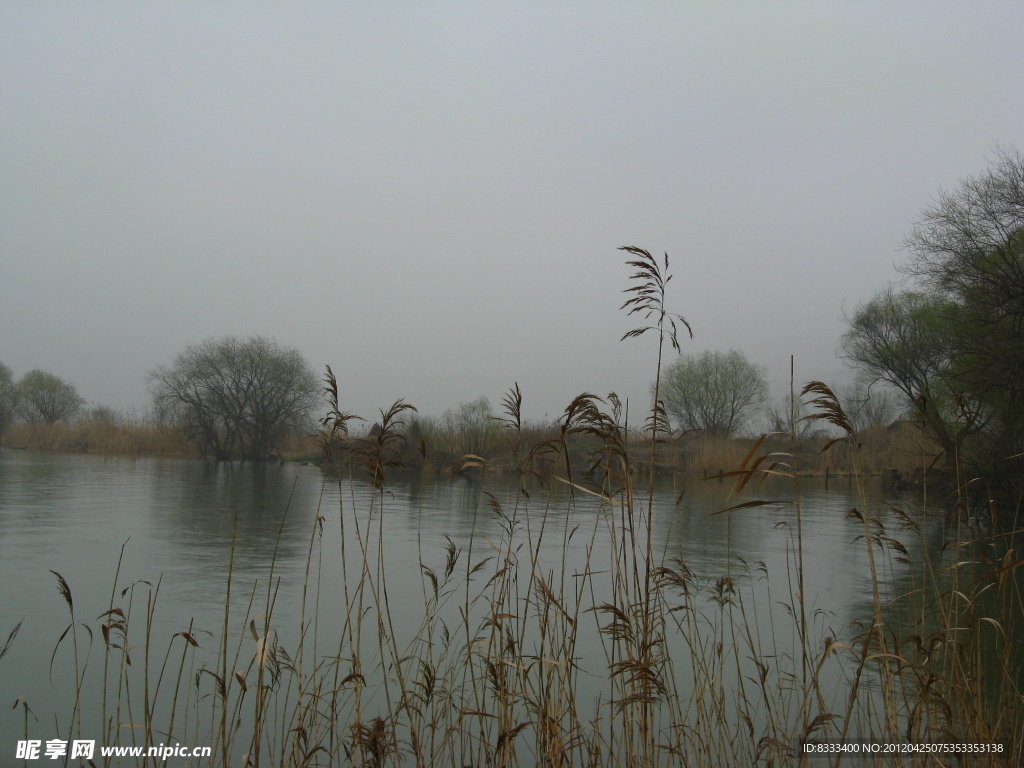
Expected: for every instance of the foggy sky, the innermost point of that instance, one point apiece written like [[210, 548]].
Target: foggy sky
[[429, 197]]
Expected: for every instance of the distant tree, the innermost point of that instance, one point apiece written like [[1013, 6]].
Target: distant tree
[[8, 397], [716, 392], [236, 397], [44, 398]]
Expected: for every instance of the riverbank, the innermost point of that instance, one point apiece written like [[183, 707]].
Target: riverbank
[[899, 452]]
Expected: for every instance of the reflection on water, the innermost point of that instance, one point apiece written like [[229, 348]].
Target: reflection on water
[[177, 519]]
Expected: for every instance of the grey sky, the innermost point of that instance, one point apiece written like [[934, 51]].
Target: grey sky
[[429, 196]]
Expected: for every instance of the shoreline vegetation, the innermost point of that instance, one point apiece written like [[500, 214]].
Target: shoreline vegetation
[[900, 450]]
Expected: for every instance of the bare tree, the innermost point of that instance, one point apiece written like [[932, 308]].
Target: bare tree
[[44, 398], [235, 397], [967, 244], [716, 392]]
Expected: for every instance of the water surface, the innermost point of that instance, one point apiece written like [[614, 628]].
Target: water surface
[[106, 523]]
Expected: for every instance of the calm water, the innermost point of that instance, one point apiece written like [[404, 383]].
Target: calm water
[[175, 520]]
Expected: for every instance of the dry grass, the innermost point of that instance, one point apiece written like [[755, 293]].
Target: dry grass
[[430, 448], [117, 436], [878, 451], [98, 436], [902, 447]]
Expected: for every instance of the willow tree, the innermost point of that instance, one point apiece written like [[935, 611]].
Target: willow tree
[[903, 339], [41, 397], [237, 397], [714, 392]]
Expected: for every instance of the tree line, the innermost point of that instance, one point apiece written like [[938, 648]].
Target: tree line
[[241, 398], [953, 341], [230, 398]]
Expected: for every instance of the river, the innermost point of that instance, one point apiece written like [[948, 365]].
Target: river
[[176, 528]]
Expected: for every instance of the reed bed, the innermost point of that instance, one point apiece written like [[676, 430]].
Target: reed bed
[[433, 445], [89, 435], [117, 435], [492, 669], [901, 447]]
